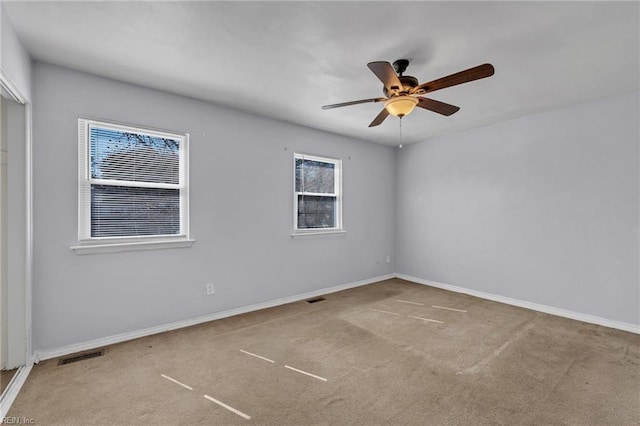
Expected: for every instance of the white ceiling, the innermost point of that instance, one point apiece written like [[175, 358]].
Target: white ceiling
[[287, 59]]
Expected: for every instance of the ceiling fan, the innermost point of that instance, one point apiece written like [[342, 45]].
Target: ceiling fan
[[403, 92]]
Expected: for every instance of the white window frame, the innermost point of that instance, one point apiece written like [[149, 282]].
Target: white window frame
[[88, 244], [339, 228]]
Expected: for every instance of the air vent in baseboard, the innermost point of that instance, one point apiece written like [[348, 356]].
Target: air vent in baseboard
[[316, 299], [80, 357]]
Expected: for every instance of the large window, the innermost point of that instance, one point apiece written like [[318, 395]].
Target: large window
[[317, 194], [133, 184]]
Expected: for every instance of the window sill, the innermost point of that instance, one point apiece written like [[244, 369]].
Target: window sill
[[318, 233], [131, 246]]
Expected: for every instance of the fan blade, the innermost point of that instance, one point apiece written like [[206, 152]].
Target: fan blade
[[387, 75], [437, 106], [361, 101], [379, 118], [475, 73]]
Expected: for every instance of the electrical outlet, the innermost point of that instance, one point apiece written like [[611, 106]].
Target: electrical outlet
[[388, 259], [210, 289]]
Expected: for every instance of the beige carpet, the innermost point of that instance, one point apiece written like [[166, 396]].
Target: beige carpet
[[5, 378], [384, 362]]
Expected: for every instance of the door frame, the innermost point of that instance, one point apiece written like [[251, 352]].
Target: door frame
[[8, 396]]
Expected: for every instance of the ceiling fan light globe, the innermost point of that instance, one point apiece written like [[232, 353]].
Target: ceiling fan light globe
[[400, 106]]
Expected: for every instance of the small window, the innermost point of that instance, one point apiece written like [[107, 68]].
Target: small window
[[132, 184], [317, 194]]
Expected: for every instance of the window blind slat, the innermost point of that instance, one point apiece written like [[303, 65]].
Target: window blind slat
[[118, 211], [121, 155]]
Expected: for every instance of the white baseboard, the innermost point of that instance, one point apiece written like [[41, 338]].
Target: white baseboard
[[592, 319], [123, 337], [11, 392]]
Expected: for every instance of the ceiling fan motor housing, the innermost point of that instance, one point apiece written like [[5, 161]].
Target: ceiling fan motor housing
[[408, 83]]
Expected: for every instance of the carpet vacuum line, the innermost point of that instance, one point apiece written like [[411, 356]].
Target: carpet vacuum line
[[384, 312], [210, 398], [304, 372], [177, 382], [411, 303], [257, 356], [448, 309], [228, 407], [410, 316], [426, 319], [287, 366]]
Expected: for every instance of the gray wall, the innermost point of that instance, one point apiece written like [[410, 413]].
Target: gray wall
[[241, 187], [542, 209], [14, 58]]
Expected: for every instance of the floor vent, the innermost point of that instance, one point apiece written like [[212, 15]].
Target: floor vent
[[80, 357], [316, 299]]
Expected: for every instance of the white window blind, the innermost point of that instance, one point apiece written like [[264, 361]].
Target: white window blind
[[317, 197], [132, 182]]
